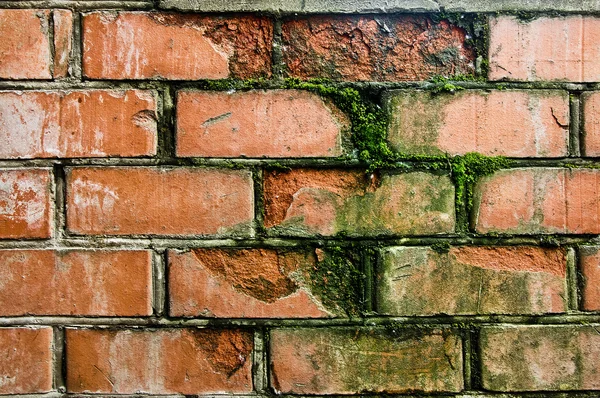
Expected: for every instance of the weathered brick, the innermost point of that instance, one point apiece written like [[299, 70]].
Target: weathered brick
[[590, 272], [245, 283], [142, 45], [25, 45], [327, 202], [530, 201], [591, 124], [564, 48], [417, 281], [75, 282], [91, 123], [276, 123], [26, 360], [380, 48], [532, 123], [352, 361], [159, 201], [165, 361], [540, 358], [63, 36], [25, 204]]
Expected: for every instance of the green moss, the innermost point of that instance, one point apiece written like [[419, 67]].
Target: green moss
[[369, 121], [233, 84], [441, 247], [337, 280], [443, 85], [467, 169]]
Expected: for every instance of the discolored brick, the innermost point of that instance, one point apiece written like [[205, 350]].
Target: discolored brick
[[379, 48], [590, 272]]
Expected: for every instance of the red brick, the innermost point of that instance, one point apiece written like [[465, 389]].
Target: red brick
[[141, 45], [93, 123], [380, 48], [75, 282], [159, 201], [564, 48], [165, 361], [590, 272], [530, 201], [327, 202], [63, 36], [540, 358], [417, 281], [243, 283], [276, 123], [352, 361], [25, 204], [591, 124], [25, 45], [26, 360], [532, 123]]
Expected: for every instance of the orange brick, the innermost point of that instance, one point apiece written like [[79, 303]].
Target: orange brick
[[591, 124], [243, 283], [63, 36], [334, 360], [540, 358], [76, 282], [93, 123], [25, 45], [590, 272], [141, 45], [159, 201], [417, 281], [563, 48], [26, 360], [532, 123], [165, 361], [25, 204], [276, 123], [531, 201], [326, 202], [379, 48]]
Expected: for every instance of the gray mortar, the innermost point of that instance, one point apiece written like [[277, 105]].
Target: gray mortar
[[381, 6]]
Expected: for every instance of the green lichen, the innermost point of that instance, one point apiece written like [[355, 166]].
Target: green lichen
[[337, 280]]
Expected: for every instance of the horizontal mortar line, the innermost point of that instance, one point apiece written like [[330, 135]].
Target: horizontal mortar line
[[80, 5], [459, 321], [203, 85], [464, 393], [275, 164], [116, 243]]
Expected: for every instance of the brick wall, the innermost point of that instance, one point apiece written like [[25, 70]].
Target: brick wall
[[206, 197]]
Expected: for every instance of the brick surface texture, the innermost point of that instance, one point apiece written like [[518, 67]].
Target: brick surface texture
[[233, 199]]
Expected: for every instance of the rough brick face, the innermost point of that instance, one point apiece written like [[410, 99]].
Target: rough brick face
[[26, 360], [244, 283], [374, 48], [159, 201], [166, 361], [25, 207], [326, 202], [90, 123], [352, 361], [532, 123], [63, 35], [109, 283], [526, 358], [472, 280], [529, 201], [564, 48], [277, 123], [590, 271], [139, 45]]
